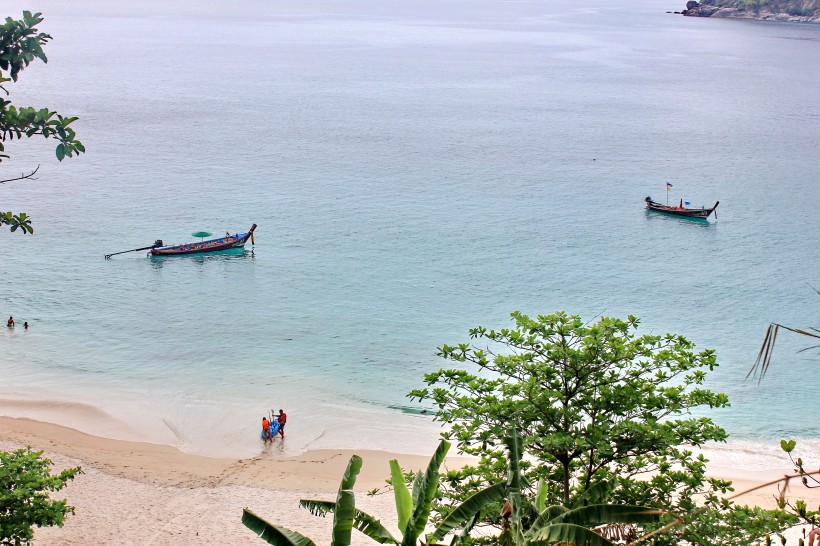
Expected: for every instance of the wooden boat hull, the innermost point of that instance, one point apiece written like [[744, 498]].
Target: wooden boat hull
[[209, 246], [677, 211]]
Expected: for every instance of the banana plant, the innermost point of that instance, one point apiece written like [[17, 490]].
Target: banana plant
[[528, 523], [343, 516], [532, 523], [412, 508]]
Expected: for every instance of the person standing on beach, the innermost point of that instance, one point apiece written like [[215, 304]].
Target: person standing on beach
[[282, 418], [265, 429]]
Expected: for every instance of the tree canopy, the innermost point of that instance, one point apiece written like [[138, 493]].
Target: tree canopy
[[21, 43], [25, 484], [606, 415]]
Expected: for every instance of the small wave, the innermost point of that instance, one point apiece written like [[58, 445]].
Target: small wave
[[756, 455]]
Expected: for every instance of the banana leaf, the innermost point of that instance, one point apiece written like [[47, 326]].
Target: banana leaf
[[346, 505], [318, 507], [278, 536], [362, 521], [465, 532], [373, 528], [566, 533], [609, 513], [544, 518], [404, 501], [540, 501], [424, 490], [597, 492], [468, 509]]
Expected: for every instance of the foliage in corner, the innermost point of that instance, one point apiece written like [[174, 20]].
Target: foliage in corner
[[26, 482], [20, 44]]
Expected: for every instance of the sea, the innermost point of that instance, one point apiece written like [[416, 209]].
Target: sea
[[415, 169]]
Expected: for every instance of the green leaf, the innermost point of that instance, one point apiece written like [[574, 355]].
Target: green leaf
[[278, 536], [343, 519], [318, 507], [404, 502], [362, 521], [346, 504], [540, 501], [60, 152], [788, 446], [597, 514], [544, 518], [566, 533], [469, 508], [373, 528], [424, 490]]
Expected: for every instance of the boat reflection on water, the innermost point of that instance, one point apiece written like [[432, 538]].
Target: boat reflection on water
[[688, 220], [157, 262]]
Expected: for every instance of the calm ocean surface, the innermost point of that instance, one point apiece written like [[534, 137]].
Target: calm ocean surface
[[415, 169]]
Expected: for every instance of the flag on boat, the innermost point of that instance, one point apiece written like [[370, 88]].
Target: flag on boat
[[687, 203], [668, 186]]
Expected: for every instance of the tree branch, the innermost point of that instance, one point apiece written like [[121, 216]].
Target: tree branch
[[22, 176]]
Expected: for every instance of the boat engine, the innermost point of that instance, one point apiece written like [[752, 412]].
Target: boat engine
[[158, 242]]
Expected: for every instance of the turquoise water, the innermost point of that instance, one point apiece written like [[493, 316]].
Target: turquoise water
[[415, 169]]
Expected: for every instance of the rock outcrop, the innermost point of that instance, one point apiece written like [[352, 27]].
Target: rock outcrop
[[807, 11]]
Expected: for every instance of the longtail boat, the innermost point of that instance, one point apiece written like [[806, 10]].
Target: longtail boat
[[680, 210], [227, 242]]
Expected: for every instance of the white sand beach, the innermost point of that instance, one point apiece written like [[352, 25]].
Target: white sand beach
[[153, 494]]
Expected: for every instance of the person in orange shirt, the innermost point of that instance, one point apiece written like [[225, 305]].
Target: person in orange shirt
[[266, 429], [282, 418]]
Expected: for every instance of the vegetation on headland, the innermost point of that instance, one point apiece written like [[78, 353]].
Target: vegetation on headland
[[20, 44], [779, 10], [26, 482], [604, 455]]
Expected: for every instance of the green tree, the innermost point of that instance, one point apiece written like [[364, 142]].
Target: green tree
[[20, 44], [529, 522], [605, 414], [25, 486]]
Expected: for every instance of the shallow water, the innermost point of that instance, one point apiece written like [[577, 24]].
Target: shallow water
[[415, 169]]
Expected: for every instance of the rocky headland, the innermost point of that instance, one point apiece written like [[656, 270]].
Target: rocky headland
[[806, 11]]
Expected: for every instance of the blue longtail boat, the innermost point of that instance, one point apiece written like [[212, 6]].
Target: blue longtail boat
[[227, 242]]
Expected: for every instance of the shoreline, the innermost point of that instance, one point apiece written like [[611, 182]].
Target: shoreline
[[166, 465], [194, 499], [143, 493]]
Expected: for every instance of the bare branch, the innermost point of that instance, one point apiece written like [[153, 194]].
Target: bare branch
[[22, 176]]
